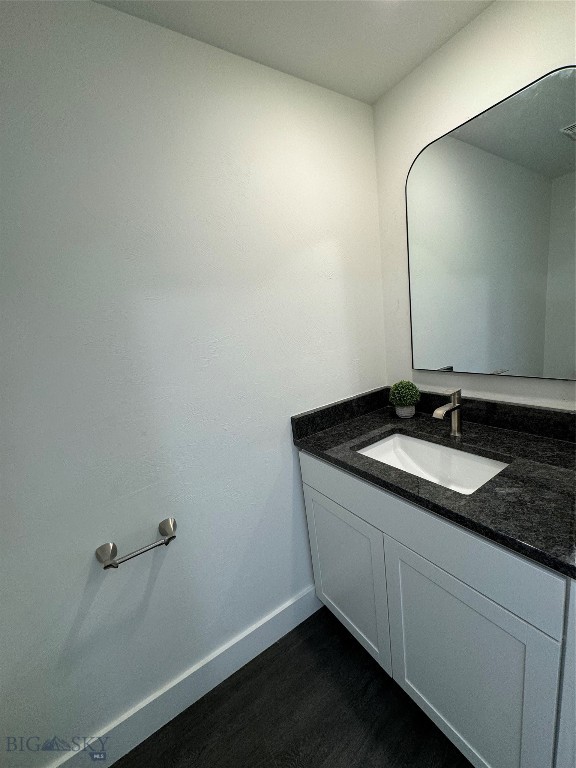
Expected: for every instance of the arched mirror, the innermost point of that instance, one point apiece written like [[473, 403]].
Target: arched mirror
[[491, 239]]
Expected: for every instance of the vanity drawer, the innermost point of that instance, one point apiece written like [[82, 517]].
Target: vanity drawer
[[528, 590]]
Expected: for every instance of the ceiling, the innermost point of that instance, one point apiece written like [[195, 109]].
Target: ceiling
[[360, 48]]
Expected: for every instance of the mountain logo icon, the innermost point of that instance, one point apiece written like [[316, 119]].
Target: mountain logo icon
[[55, 745]]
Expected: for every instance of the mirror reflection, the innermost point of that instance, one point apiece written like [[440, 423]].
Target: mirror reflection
[[491, 239]]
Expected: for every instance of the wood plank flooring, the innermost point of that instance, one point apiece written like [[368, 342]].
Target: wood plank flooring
[[315, 699]]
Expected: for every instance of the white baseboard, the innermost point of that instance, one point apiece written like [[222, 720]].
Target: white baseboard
[[163, 705]]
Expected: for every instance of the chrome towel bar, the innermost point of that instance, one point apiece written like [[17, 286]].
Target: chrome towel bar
[[106, 553]]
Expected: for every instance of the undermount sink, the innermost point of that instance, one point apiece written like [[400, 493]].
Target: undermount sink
[[456, 470]]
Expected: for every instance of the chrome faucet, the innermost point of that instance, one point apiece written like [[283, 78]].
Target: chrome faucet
[[454, 408]]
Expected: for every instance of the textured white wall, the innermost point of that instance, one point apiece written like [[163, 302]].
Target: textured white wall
[[478, 229], [190, 255], [560, 347], [506, 47]]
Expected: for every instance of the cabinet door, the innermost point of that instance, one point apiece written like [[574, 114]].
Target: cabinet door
[[566, 757], [485, 677], [349, 572]]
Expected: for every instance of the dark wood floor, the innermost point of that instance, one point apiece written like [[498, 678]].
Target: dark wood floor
[[315, 699]]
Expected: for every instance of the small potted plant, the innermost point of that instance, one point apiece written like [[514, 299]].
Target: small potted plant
[[404, 395]]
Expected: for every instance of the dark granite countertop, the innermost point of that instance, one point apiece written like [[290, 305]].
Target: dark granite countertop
[[529, 507]]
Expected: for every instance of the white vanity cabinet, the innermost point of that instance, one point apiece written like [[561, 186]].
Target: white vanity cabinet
[[476, 631]]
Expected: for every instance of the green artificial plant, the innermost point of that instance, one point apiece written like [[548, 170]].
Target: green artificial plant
[[404, 393]]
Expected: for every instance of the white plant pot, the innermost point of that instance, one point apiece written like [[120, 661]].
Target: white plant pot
[[405, 411]]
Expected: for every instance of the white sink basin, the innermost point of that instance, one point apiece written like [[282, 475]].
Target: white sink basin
[[462, 472]]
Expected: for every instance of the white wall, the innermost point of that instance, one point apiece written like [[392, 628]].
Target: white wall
[[478, 230], [190, 255], [560, 348], [506, 47]]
